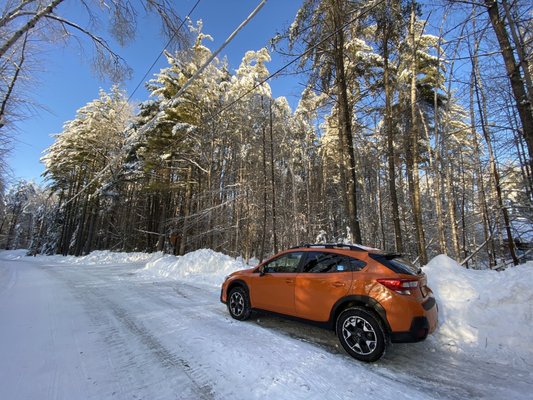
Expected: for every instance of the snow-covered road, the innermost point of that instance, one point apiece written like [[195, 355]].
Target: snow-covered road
[[105, 332]]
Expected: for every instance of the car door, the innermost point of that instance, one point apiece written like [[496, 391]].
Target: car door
[[273, 288], [324, 279]]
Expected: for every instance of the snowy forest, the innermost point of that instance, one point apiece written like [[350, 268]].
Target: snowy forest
[[413, 133]]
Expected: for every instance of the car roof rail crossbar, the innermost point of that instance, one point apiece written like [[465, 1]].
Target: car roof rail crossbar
[[330, 246]]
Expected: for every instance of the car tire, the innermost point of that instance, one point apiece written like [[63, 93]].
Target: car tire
[[239, 303], [361, 334]]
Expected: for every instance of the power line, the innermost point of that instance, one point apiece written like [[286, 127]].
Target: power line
[[99, 174], [108, 166], [229, 39], [305, 53], [143, 79], [150, 122], [172, 100]]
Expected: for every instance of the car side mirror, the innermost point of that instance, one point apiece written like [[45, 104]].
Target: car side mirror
[[261, 270]]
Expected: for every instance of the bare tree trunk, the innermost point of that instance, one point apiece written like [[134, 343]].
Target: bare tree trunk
[[523, 104], [519, 46], [308, 184], [452, 215], [525, 168], [412, 152], [12, 226], [81, 226], [345, 120], [237, 211], [272, 177], [186, 211], [389, 132], [434, 162], [265, 206], [93, 216], [463, 208], [380, 208], [482, 109], [488, 230]]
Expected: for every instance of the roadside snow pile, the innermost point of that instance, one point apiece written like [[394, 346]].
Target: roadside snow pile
[[12, 254], [105, 257], [484, 311], [203, 266]]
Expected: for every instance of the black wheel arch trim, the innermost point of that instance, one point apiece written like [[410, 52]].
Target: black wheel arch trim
[[365, 301], [238, 282]]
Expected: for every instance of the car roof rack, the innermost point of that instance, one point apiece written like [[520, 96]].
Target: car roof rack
[[330, 246]]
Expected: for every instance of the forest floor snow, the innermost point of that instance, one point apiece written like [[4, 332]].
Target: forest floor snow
[[150, 326]]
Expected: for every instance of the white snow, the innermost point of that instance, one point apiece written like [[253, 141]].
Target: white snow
[[484, 313], [203, 266], [135, 325], [101, 257]]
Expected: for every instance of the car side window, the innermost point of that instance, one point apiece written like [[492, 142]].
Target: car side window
[[318, 262], [356, 265], [286, 263]]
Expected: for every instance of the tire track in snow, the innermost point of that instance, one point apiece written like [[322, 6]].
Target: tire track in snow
[[424, 367], [96, 298], [8, 279], [164, 356]]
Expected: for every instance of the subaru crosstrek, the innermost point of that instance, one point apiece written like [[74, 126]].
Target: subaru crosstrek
[[369, 297]]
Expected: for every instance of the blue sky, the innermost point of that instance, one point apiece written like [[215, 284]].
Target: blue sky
[[66, 81]]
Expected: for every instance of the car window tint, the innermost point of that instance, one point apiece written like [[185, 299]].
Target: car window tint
[[357, 265], [396, 264], [286, 263], [318, 262]]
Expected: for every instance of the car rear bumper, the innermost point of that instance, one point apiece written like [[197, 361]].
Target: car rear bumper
[[421, 326], [419, 331]]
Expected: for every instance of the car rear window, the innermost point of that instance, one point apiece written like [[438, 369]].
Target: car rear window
[[396, 264]]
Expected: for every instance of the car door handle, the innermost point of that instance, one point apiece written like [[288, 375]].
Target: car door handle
[[289, 281], [338, 284]]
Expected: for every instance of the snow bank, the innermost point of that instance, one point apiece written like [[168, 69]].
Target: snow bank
[[105, 257], [12, 254], [484, 311], [203, 266], [481, 312]]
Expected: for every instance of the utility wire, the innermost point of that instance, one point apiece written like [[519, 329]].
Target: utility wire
[[151, 121], [174, 98], [143, 79], [229, 39], [305, 53], [99, 174]]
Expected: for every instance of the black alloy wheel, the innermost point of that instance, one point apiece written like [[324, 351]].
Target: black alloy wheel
[[361, 334], [239, 303]]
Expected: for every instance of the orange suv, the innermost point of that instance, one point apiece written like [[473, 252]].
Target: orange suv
[[369, 297]]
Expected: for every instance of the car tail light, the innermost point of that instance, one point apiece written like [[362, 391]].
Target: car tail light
[[401, 286]]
